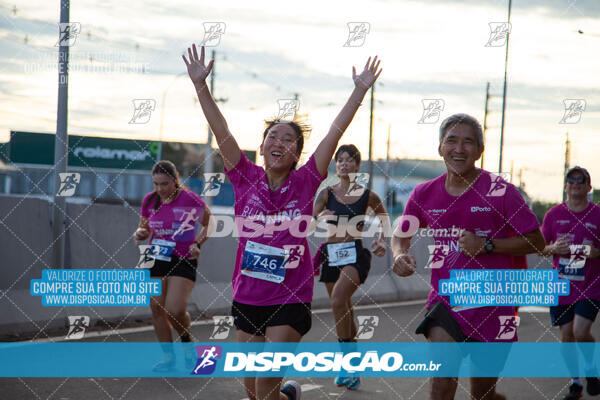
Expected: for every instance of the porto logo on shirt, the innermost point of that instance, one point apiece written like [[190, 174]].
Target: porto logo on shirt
[[207, 359]]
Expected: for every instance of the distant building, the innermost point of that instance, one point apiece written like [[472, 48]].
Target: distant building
[[112, 170]]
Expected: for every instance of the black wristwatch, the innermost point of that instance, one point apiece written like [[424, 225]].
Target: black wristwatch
[[489, 246], [198, 244]]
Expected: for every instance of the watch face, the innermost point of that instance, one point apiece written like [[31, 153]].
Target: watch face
[[489, 246]]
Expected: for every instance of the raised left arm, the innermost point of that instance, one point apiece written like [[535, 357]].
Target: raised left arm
[[362, 83]]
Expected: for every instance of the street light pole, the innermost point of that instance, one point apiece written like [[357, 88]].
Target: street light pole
[[504, 90], [61, 142], [371, 137]]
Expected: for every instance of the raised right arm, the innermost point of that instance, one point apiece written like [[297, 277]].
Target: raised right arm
[[198, 72]]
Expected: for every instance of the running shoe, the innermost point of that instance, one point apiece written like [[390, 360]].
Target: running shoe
[[593, 386], [353, 383], [166, 365], [189, 355], [292, 390], [575, 391], [340, 380]]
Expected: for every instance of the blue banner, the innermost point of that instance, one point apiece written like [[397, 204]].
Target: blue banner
[[93, 359]]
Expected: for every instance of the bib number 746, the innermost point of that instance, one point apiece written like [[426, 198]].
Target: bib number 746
[[264, 262]]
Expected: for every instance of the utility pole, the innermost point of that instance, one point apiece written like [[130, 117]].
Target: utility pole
[[371, 137], [485, 115], [567, 160], [388, 198], [504, 91], [388, 201], [61, 141], [521, 184], [208, 152]]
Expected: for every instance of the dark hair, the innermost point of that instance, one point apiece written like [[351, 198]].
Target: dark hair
[[352, 151], [301, 128], [462, 119], [168, 168]]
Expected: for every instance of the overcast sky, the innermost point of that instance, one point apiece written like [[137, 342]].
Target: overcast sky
[[271, 50]]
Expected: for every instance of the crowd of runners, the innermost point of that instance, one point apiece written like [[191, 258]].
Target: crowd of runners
[[274, 272]]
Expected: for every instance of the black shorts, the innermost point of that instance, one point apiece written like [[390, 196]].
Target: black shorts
[[184, 267], [586, 308], [255, 319], [438, 315], [362, 265]]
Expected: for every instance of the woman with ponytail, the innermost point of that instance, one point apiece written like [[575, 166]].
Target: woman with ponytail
[[175, 220]]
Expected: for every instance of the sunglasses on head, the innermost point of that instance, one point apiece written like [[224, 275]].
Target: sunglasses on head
[[578, 179]]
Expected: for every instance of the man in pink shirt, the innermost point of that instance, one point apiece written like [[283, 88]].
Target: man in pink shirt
[[479, 221], [572, 230]]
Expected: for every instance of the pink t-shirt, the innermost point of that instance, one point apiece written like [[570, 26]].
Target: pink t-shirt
[[262, 274], [176, 221], [490, 208], [580, 228]]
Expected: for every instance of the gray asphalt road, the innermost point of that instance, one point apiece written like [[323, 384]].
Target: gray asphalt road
[[396, 323]]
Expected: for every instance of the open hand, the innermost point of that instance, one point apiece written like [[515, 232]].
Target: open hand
[[367, 78], [195, 67]]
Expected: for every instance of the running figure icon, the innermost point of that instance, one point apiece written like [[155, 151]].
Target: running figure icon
[[188, 217], [207, 359]]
